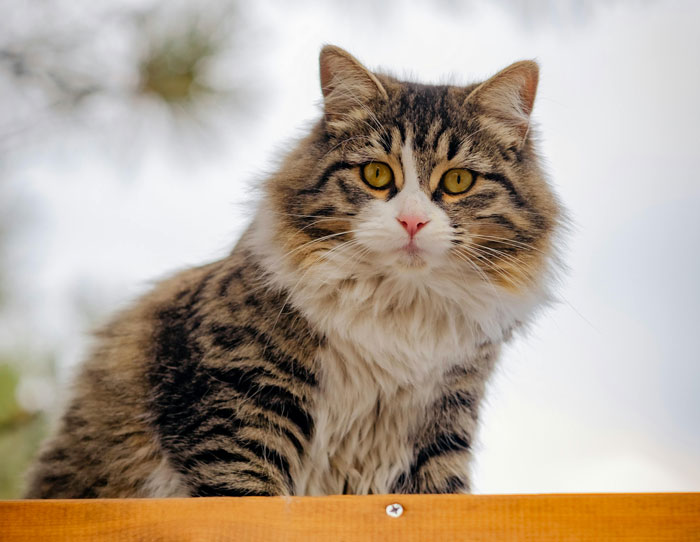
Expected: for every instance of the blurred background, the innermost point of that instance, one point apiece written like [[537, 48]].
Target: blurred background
[[133, 131]]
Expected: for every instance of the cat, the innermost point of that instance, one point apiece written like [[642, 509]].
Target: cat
[[345, 344]]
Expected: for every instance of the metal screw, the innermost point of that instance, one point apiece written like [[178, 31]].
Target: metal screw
[[394, 510]]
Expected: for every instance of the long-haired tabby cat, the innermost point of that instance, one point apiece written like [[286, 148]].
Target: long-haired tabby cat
[[344, 345]]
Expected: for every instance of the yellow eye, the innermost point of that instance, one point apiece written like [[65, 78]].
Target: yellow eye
[[377, 174], [457, 181]]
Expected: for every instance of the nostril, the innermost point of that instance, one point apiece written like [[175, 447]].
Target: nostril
[[412, 224]]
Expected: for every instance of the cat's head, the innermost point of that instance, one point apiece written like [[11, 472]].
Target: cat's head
[[416, 183]]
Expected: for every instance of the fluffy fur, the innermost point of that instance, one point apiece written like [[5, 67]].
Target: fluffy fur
[[332, 351]]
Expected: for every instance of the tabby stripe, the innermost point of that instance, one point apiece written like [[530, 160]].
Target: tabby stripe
[[501, 221], [419, 139], [511, 153], [258, 450], [317, 233], [385, 141], [303, 224], [443, 444], [219, 455], [230, 426], [505, 183], [87, 493], [56, 455], [196, 294], [100, 482], [354, 196], [266, 396], [194, 427], [438, 135], [480, 200], [327, 211], [260, 475], [58, 479], [401, 485], [454, 484], [325, 177], [453, 147], [298, 446], [225, 283], [402, 132], [219, 490], [459, 399], [252, 301], [231, 337], [208, 457], [269, 455], [521, 236]]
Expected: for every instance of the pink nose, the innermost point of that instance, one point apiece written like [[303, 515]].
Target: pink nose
[[412, 223]]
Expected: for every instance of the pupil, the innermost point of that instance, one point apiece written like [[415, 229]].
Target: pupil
[[459, 179], [377, 173]]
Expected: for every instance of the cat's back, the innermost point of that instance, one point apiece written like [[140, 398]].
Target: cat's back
[[172, 377]]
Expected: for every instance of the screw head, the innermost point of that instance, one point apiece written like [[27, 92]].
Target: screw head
[[394, 510]]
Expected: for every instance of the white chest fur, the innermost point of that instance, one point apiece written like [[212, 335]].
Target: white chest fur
[[364, 427], [380, 371]]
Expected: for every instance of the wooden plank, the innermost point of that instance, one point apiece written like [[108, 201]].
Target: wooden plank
[[502, 518]]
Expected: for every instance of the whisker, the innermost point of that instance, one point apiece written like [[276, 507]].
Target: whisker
[[506, 241], [503, 256], [465, 257], [497, 269], [316, 240]]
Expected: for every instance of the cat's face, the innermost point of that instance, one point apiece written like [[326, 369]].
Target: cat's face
[[403, 179]]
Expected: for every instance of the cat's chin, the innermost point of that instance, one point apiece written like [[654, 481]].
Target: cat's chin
[[412, 258], [415, 263]]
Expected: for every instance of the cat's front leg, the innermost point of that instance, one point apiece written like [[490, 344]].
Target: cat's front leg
[[233, 434], [222, 454], [441, 466], [225, 472], [443, 446]]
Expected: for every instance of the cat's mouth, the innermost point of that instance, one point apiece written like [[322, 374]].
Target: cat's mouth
[[411, 255], [411, 248]]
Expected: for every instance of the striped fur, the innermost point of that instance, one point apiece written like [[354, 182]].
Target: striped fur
[[323, 356]]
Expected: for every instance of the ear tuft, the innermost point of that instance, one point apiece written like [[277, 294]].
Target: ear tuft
[[345, 82], [509, 96]]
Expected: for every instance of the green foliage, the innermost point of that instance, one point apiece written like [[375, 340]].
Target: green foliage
[[20, 435], [171, 68]]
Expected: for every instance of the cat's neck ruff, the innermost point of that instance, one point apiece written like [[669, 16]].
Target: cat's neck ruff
[[407, 324]]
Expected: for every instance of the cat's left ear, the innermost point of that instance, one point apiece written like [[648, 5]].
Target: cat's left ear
[[507, 98], [346, 84]]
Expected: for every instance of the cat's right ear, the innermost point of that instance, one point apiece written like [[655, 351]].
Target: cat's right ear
[[507, 98], [346, 84]]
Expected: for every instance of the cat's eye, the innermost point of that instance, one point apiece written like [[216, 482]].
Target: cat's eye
[[457, 181], [377, 175]]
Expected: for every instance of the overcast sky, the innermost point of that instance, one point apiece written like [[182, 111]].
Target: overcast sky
[[603, 394]]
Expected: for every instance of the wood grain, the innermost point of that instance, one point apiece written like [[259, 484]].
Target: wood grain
[[503, 518]]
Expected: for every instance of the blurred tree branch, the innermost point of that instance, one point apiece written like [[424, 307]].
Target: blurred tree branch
[[57, 61]]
